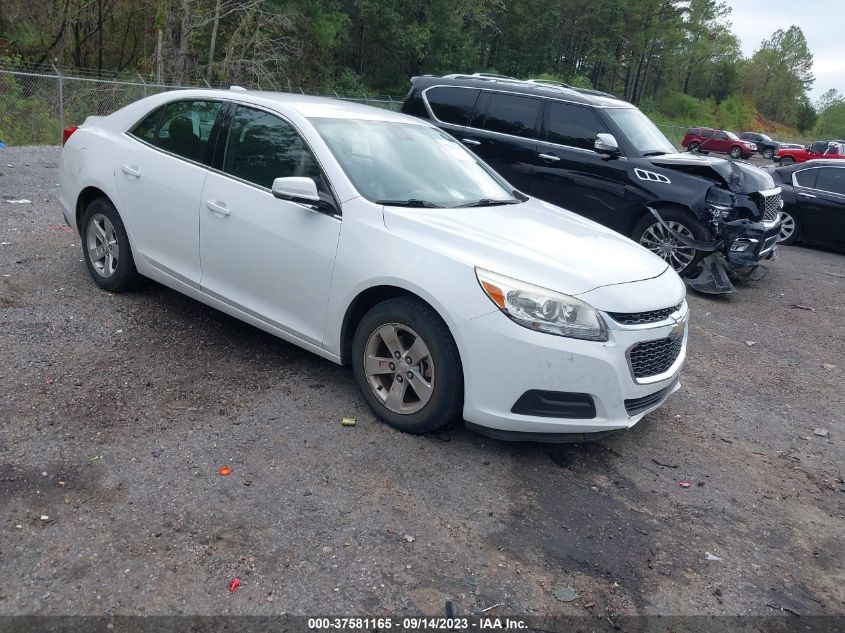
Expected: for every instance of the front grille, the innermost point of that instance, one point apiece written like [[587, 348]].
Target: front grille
[[769, 206], [637, 405], [655, 357], [638, 318]]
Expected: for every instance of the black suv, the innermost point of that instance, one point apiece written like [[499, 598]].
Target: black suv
[[710, 218], [765, 145]]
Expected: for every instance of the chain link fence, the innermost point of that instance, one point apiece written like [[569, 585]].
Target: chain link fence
[[35, 106]]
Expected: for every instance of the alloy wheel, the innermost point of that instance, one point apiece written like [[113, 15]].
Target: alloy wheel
[[661, 242], [399, 368], [787, 226], [101, 242]]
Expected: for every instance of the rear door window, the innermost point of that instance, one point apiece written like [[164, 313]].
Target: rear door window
[[185, 127], [831, 179], [512, 114], [572, 125], [452, 105]]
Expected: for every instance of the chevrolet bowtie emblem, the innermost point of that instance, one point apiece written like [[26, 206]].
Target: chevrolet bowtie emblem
[[678, 328]]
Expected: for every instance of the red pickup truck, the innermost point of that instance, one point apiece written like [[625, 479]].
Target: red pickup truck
[[704, 139], [819, 149]]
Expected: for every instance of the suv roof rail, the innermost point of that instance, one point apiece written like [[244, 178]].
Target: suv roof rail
[[503, 79]]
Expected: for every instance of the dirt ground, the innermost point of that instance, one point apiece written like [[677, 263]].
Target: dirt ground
[[116, 412]]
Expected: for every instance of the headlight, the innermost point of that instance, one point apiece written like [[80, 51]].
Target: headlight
[[542, 310], [720, 199]]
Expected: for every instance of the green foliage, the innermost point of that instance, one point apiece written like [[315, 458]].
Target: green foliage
[[736, 113], [25, 114], [778, 75], [678, 106], [831, 120], [806, 116], [675, 58]]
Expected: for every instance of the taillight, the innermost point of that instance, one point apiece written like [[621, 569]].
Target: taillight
[[67, 133]]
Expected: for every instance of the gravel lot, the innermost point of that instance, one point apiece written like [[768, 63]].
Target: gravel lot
[[116, 412]]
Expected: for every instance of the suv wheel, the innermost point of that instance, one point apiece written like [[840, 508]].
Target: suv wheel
[[786, 160], [694, 148], [105, 245], [735, 152], [407, 366], [653, 235], [789, 229], [768, 153]]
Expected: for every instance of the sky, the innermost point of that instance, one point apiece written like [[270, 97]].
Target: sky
[[820, 20]]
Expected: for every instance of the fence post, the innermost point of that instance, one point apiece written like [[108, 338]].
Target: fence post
[[61, 101], [143, 83]]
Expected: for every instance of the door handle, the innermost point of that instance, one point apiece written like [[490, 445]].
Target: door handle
[[549, 158], [806, 195], [217, 207], [131, 170], [470, 141]]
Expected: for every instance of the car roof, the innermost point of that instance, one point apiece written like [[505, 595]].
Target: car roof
[[305, 105], [818, 162], [535, 88]]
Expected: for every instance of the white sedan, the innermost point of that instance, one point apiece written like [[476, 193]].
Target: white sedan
[[376, 240]]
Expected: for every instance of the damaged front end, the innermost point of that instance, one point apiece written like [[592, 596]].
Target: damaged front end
[[741, 210]]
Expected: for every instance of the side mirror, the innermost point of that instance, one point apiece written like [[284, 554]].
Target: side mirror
[[606, 144], [296, 189]]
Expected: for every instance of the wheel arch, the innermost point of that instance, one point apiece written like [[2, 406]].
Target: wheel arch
[[366, 300], [86, 197], [642, 210]]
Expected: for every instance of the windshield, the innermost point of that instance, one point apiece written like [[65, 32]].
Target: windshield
[[412, 165], [732, 136], [765, 137], [640, 131]]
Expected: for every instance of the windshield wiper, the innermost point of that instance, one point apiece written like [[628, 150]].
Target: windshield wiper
[[656, 152], [486, 202], [410, 202]]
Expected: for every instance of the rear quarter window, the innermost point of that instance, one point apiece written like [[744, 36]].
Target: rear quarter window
[[452, 105], [146, 128]]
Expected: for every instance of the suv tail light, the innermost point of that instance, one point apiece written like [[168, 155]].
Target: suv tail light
[[67, 133]]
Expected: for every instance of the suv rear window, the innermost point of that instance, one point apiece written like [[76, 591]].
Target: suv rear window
[[572, 125], [512, 114], [452, 105]]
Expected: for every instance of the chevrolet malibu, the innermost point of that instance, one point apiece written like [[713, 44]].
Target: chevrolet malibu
[[376, 240]]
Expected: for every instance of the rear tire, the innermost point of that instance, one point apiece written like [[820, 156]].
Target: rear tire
[[694, 148], [105, 247], [407, 366], [768, 154], [786, 160], [650, 234]]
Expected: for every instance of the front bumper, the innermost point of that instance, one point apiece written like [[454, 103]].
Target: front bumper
[[503, 361], [746, 243]]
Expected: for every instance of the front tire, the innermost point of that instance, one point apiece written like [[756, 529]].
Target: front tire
[[652, 235], [407, 366], [735, 153], [790, 229], [105, 247], [786, 160]]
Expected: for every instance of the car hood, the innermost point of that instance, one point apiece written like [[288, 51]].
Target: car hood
[[737, 176], [533, 242]]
